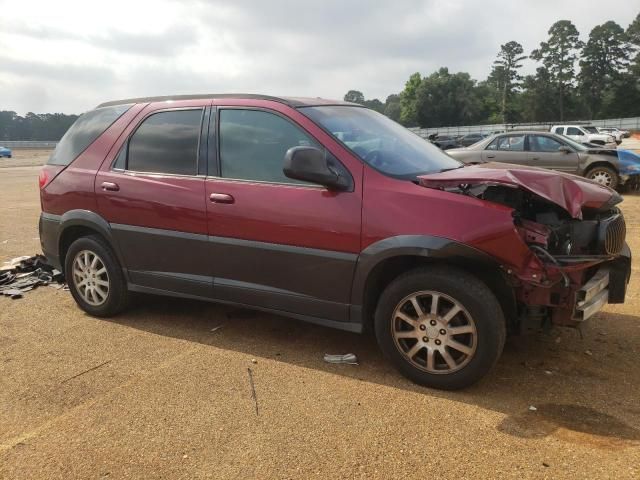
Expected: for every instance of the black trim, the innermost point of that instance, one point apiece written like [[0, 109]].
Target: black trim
[[213, 164], [203, 142], [411, 246], [346, 326]]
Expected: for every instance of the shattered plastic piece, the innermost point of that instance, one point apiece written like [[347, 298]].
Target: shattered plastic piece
[[588, 352], [215, 329], [347, 358], [532, 409], [13, 293], [23, 274]]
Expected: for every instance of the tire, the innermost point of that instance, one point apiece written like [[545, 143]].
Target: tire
[[604, 176], [480, 316], [109, 299]]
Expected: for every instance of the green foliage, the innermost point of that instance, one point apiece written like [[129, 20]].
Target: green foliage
[[354, 96], [443, 98], [507, 78], [605, 57], [46, 126], [559, 55]]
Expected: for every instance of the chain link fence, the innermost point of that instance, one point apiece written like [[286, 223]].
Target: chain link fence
[[630, 124]]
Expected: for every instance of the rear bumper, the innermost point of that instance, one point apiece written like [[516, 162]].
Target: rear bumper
[[49, 229]]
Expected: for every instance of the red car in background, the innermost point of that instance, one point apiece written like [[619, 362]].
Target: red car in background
[[331, 213]]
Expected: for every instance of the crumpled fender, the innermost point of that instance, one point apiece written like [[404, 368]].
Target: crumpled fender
[[570, 192]]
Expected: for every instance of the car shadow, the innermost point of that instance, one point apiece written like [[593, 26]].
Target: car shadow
[[545, 383]]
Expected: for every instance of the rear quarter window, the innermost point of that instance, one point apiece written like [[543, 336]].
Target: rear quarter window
[[83, 133]]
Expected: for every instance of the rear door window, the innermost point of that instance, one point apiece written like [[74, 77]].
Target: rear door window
[[574, 131], [166, 142], [559, 130], [84, 131]]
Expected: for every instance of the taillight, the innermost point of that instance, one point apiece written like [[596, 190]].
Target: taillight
[[43, 178], [48, 173]]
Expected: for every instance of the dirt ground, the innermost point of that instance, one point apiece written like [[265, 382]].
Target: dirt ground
[[155, 393], [25, 157]]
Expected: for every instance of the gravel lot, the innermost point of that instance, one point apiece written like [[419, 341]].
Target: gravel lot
[[165, 397]]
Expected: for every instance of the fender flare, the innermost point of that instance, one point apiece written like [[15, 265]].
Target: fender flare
[[88, 219], [428, 247]]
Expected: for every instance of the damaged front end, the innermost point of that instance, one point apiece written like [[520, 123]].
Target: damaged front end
[[579, 260]]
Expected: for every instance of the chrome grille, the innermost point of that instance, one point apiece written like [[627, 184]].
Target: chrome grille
[[615, 231]]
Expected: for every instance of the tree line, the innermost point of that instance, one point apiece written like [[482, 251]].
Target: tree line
[[34, 126], [574, 80]]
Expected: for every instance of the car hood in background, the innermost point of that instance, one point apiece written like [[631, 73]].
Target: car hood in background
[[569, 192]]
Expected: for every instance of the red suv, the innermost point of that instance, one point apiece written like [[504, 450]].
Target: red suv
[[331, 213]]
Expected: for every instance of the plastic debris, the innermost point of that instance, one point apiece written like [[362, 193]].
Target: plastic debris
[[215, 329], [22, 274], [532, 408], [347, 358]]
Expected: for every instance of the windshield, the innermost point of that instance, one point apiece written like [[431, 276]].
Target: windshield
[[591, 129], [381, 142]]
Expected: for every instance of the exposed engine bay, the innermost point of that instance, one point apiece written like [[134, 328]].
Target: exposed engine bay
[[546, 225], [574, 235]]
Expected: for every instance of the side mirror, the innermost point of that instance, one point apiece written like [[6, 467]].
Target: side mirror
[[311, 164], [564, 149]]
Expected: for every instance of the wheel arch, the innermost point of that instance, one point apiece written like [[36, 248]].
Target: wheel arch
[[81, 223], [601, 163], [383, 261]]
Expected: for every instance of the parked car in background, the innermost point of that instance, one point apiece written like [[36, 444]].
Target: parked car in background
[[5, 152], [609, 167], [585, 134], [331, 213], [615, 132], [444, 142], [470, 139]]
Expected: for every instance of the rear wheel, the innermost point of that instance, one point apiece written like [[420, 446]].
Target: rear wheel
[[441, 327], [603, 175], [95, 277]]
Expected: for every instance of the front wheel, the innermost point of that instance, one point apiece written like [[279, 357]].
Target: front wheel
[[441, 327], [604, 176]]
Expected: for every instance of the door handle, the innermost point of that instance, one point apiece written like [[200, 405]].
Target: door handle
[[491, 156], [221, 198], [110, 186], [535, 158]]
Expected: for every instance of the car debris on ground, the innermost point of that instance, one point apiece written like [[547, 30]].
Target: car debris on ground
[[22, 274], [347, 358]]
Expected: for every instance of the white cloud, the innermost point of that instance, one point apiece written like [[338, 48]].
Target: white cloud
[[69, 56]]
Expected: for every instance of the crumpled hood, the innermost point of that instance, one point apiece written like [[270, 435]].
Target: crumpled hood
[[570, 192]]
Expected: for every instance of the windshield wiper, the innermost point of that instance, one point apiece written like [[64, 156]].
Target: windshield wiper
[[453, 168]]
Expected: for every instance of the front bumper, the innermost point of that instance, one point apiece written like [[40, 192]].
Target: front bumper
[[607, 285]]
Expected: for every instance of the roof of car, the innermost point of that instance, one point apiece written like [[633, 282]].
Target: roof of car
[[526, 132], [291, 101]]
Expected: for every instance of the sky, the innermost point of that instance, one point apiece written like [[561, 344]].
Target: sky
[[68, 56]]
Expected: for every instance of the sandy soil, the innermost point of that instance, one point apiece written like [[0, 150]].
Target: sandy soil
[[165, 397], [25, 157]]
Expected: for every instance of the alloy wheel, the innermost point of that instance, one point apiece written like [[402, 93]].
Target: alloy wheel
[[90, 277], [601, 177], [434, 332]]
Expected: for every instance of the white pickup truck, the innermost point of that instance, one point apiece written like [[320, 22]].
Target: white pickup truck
[[585, 134], [615, 132]]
